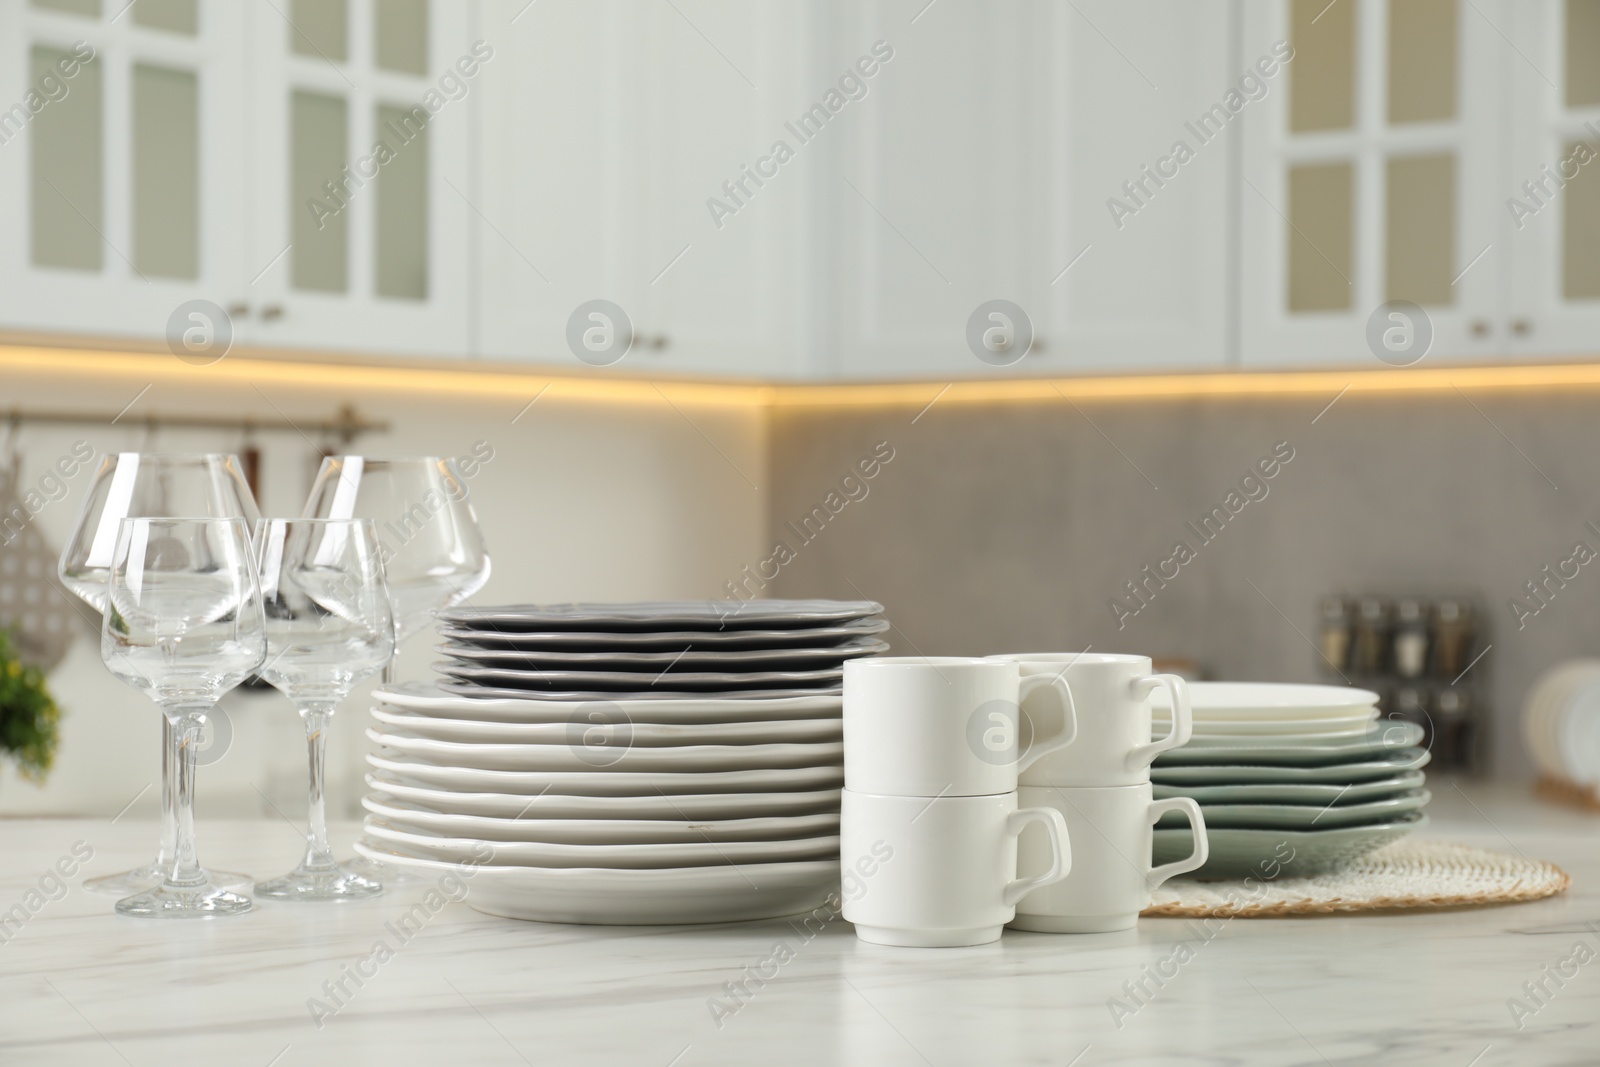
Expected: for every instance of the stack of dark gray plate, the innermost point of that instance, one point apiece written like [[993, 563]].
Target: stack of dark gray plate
[[657, 650]]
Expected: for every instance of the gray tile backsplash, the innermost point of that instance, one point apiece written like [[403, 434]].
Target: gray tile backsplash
[[1014, 526]]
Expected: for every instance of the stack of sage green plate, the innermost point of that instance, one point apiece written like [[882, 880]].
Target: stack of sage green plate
[[1294, 780]]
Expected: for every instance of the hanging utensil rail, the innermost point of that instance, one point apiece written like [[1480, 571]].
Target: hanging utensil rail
[[347, 424]]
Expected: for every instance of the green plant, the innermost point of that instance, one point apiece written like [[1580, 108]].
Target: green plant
[[29, 718]]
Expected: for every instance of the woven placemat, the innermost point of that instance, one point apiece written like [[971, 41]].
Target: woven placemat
[[1405, 875]]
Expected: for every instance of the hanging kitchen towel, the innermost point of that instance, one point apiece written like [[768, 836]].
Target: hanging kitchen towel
[[1405, 875]]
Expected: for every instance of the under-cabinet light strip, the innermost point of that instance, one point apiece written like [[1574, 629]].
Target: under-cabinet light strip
[[505, 382]]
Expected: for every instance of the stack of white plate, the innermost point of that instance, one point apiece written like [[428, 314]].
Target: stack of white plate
[[1294, 780], [1561, 722], [1237, 712], [685, 790]]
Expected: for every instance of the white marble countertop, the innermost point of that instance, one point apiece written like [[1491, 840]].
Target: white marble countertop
[[80, 985]]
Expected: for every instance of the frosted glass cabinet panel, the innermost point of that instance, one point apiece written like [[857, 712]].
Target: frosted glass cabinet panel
[[360, 111], [1376, 178], [118, 126], [1551, 201], [166, 171], [303, 165]]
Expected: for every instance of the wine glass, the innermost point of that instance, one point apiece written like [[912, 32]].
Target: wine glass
[[328, 626], [183, 623], [428, 537], [133, 484], [428, 541]]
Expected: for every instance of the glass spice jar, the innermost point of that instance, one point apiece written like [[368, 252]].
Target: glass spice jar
[[1409, 643]]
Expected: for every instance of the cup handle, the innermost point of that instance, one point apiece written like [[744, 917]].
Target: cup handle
[[1060, 851], [1069, 716], [1197, 827], [1182, 718]]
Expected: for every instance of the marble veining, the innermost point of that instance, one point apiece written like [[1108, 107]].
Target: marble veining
[[80, 985]]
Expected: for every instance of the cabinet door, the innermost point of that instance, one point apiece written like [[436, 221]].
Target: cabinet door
[[359, 174], [717, 270], [1551, 202], [986, 167], [1378, 176], [116, 149], [618, 124], [1136, 272], [929, 186]]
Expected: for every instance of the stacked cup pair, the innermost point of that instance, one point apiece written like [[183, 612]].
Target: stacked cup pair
[[1100, 786], [930, 815]]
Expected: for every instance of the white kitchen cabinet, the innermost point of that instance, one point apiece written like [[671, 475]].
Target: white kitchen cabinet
[[1379, 175], [981, 167], [1153, 288], [615, 125], [361, 175], [1150, 181], [165, 170], [1550, 202], [119, 196]]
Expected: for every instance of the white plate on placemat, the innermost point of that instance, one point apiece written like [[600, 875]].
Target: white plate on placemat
[[545, 854], [427, 699], [609, 759], [1299, 728], [804, 731], [403, 816], [669, 641], [687, 659], [651, 806], [614, 783], [1269, 700], [1356, 729], [675, 895], [662, 614]]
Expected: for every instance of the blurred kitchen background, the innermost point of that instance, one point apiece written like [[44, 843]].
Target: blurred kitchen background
[[1355, 243]]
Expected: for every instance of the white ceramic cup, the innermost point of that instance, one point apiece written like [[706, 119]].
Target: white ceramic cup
[[1111, 878], [1111, 694], [943, 726], [944, 870]]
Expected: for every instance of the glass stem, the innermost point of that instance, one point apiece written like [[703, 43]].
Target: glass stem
[[319, 856], [171, 754], [389, 668], [186, 723]]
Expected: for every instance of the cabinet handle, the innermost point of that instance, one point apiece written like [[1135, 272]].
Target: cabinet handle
[[655, 341], [1521, 327], [1037, 348], [238, 309], [1480, 328], [271, 311]]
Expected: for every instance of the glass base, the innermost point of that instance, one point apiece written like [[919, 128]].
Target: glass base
[[196, 901], [333, 883], [387, 873], [151, 875]]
